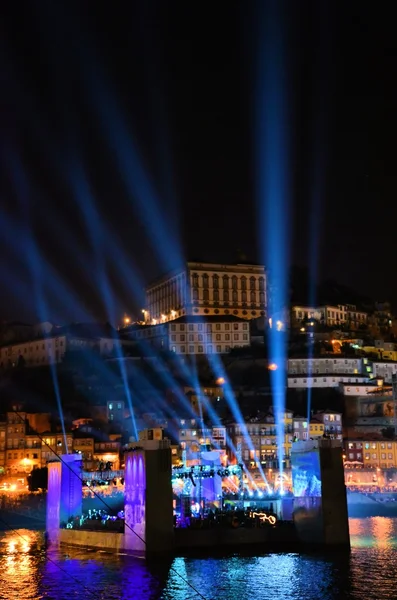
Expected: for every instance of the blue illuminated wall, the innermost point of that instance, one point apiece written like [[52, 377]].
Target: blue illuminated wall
[[53, 501], [306, 474], [135, 502], [71, 487], [65, 493]]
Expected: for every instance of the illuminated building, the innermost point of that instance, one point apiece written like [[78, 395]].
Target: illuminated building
[[372, 454], [196, 334], [23, 447], [53, 444], [261, 447], [208, 289], [108, 451], [333, 316]]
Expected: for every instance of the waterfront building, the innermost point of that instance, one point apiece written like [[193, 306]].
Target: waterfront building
[[207, 289], [370, 453]]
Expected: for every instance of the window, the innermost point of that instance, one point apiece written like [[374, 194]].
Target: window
[[209, 349], [173, 327], [227, 348], [200, 327], [191, 349], [227, 337], [183, 349], [219, 348], [200, 337], [173, 338], [110, 406], [218, 337], [182, 337], [191, 327], [236, 336], [200, 349], [218, 326], [245, 338], [191, 337]]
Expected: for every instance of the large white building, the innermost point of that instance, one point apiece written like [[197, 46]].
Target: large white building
[[208, 289], [196, 334]]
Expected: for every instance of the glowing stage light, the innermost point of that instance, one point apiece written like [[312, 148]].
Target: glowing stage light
[[220, 381], [272, 367]]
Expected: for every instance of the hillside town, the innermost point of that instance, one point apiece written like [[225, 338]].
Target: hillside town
[[196, 357]]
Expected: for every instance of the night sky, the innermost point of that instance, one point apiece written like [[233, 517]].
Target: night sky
[[127, 145]]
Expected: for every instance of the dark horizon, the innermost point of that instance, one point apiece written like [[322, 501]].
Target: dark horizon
[[128, 144]]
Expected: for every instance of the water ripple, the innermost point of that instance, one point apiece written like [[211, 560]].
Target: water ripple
[[29, 572]]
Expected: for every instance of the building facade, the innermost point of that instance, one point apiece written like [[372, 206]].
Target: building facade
[[208, 289], [196, 334], [255, 443], [374, 454], [332, 316], [51, 347]]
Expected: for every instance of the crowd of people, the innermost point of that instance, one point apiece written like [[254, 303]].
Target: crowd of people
[[97, 520]]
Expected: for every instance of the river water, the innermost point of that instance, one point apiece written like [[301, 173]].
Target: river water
[[369, 572]]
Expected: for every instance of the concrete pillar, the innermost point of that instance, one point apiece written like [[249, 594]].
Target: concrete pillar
[[148, 498], [320, 502]]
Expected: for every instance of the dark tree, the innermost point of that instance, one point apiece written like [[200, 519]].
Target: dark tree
[[38, 479]]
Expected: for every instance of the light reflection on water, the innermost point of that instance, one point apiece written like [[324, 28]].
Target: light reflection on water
[[29, 571]]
